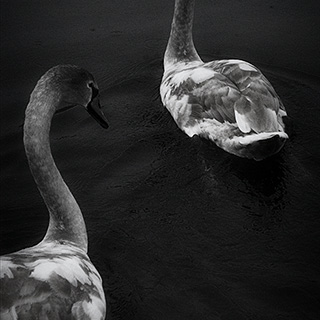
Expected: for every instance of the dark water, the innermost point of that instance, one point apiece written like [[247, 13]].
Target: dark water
[[177, 228]]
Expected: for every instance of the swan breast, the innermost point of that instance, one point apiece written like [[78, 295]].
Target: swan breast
[[61, 282]]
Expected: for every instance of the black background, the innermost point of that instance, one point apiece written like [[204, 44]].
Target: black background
[[177, 228]]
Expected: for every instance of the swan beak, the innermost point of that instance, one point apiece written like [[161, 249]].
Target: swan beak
[[94, 109]]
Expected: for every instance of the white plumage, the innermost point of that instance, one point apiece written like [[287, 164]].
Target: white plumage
[[223, 100]]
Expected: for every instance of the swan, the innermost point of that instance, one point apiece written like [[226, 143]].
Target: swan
[[54, 279], [229, 102]]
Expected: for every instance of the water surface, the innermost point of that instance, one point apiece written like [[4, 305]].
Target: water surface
[[177, 228]]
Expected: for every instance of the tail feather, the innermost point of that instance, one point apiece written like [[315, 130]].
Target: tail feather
[[256, 146], [227, 136]]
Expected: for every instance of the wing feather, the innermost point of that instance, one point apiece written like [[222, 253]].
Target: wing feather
[[51, 285], [231, 91]]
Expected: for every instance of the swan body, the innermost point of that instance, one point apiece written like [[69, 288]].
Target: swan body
[[51, 280], [229, 102], [54, 279]]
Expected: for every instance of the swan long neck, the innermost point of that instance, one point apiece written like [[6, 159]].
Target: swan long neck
[[66, 220], [180, 46]]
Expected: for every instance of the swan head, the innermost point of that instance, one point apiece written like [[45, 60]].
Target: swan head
[[75, 86]]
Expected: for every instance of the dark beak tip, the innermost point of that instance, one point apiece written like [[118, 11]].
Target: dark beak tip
[[98, 115], [104, 125], [103, 121]]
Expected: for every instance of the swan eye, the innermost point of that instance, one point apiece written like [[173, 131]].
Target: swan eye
[[95, 91]]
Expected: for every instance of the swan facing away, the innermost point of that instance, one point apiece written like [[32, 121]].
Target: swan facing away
[[227, 101], [55, 279]]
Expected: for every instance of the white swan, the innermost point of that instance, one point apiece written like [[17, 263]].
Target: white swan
[[54, 279], [228, 101]]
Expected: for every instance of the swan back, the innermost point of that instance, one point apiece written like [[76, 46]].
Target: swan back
[[229, 102], [53, 281]]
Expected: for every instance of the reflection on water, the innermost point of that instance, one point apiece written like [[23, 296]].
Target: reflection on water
[[258, 187]]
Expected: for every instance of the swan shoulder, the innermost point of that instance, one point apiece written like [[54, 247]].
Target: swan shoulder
[[51, 278], [249, 80], [199, 93], [231, 91]]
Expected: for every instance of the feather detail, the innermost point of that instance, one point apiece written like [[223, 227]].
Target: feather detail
[[242, 123], [223, 100], [51, 278]]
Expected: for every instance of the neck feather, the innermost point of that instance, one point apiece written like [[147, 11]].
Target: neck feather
[[66, 221], [180, 46]]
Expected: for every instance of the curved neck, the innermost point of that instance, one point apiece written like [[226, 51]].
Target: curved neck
[[66, 221], [180, 46]]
